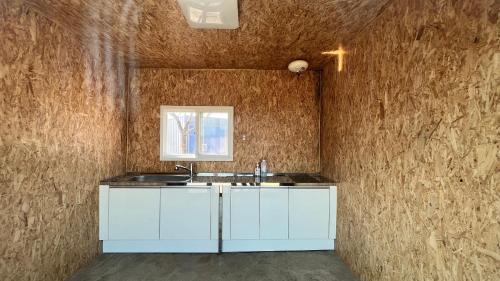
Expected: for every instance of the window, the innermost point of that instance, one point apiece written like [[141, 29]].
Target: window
[[197, 133]]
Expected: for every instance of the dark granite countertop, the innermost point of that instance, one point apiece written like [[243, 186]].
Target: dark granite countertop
[[233, 179]]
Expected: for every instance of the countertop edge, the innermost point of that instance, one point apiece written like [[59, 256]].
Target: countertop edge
[[234, 180]]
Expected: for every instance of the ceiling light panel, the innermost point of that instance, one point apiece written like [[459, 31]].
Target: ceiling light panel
[[218, 14]]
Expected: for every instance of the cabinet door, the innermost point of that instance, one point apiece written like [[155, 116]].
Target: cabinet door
[[309, 213], [185, 213], [273, 213], [244, 213], [134, 213]]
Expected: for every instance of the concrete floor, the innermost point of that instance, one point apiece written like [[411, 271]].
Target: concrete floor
[[261, 266]]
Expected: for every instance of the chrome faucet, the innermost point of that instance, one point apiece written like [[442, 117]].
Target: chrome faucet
[[190, 169]]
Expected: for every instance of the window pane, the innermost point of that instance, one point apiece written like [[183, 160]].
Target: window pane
[[181, 134], [214, 133]]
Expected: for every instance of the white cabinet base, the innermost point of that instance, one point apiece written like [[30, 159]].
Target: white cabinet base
[[292, 219], [276, 245], [198, 206], [160, 246], [276, 220]]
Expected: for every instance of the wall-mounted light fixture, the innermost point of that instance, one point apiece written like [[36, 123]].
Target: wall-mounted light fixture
[[298, 66]]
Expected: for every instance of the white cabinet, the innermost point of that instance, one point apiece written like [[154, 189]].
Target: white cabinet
[[278, 218], [309, 216], [134, 213], [244, 213], [274, 213], [185, 213], [185, 219], [159, 220]]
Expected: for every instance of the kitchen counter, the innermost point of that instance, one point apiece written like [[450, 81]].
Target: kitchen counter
[[173, 213], [233, 179]]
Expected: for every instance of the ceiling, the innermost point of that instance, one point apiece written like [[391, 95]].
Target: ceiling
[[154, 33]]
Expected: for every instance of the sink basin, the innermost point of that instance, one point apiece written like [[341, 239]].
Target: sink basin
[[162, 178]]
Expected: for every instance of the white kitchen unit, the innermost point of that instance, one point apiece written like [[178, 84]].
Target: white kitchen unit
[[159, 219], [245, 213], [185, 213], [273, 212], [133, 213], [309, 213], [295, 218]]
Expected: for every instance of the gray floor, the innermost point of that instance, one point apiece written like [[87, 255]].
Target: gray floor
[[227, 266]]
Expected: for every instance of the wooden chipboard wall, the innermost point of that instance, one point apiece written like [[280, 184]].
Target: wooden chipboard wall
[[410, 129], [62, 129], [277, 112]]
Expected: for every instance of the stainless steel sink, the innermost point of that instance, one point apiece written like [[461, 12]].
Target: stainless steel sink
[[161, 178]]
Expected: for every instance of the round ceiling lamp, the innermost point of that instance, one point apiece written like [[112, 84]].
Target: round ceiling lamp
[[298, 66]]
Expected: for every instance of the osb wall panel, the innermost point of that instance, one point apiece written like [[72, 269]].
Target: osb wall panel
[[410, 131], [277, 111], [270, 33], [62, 127]]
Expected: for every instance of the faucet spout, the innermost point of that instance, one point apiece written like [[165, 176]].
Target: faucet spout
[[190, 169]]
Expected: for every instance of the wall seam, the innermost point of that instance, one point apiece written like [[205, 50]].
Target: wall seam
[[127, 93], [319, 93]]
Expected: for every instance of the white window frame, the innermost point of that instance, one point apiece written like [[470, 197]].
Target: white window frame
[[164, 109]]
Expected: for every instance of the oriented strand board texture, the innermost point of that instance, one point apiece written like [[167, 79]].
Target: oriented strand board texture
[[277, 111], [271, 33], [62, 130], [411, 132]]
